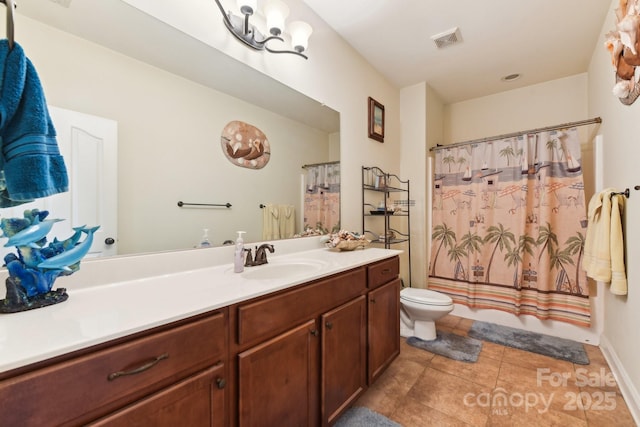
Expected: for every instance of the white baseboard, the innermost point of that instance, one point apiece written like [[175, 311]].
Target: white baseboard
[[628, 389]]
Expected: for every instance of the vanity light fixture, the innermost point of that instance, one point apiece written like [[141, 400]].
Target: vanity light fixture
[[275, 12]]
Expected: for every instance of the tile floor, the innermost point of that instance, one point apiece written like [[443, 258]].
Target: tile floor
[[506, 387]]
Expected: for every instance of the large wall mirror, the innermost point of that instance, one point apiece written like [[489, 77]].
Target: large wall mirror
[[171, 96]]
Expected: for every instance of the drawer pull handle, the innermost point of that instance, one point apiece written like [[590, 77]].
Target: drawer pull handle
[[386, 271], [329, 325], [314, 332], [373, 300], [140, 369], [221, 383]]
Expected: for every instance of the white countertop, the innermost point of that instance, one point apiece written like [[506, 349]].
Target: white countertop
[[98, 314]]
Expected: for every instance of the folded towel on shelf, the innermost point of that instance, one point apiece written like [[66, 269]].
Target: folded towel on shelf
[[30, 161], [604, 243]]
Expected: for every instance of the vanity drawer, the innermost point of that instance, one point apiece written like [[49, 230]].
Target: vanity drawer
[[383, 272], [268, 317], [81, 389]]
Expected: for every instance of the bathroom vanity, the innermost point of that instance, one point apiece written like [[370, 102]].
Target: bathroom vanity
[[298, 350]]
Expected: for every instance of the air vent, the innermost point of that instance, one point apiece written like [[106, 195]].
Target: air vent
[[447, 38], [63, 3]]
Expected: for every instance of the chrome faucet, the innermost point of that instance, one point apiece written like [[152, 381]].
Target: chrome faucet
[[261, 253]]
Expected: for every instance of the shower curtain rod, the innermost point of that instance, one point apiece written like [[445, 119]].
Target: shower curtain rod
[[320, 164], [511, 135]]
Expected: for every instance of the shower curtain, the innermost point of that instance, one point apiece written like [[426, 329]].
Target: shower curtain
[[509, 225], [322, 198]]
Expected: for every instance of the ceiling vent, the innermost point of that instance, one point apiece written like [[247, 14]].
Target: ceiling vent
[[447, 38], [63, 3]]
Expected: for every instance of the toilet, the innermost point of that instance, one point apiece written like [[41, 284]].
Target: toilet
[[419, 310]]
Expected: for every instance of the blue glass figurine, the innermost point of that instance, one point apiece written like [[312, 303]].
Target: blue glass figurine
[[37, 264]]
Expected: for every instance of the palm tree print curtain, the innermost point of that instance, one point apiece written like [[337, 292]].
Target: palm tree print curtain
[[322, 198], [509, 223]]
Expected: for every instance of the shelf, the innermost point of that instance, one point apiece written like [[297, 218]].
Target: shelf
[[403, 213], [378, 196], [385, 189], [389, 241]]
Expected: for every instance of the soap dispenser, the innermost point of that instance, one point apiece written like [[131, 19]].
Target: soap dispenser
[[238, 261], [204, 240]]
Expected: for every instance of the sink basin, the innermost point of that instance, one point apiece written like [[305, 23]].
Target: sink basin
[[284, 269]]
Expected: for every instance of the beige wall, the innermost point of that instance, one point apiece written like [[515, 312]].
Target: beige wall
[[169, 143], [544, 104], [620, 129], [422, 118]]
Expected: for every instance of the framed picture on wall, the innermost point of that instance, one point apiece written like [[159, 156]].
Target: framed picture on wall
[[376, 120]]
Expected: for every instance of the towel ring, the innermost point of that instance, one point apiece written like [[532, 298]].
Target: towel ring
[[10, 7]]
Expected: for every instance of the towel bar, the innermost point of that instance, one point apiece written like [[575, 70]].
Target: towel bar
[[626, 193], [224, 205]]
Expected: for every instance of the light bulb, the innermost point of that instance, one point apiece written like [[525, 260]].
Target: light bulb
[[300, 32], [276, 12]]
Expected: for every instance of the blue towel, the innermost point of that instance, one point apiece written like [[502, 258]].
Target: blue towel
[[30, 161]]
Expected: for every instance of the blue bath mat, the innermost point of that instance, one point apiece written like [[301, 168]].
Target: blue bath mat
[[558, 348], [450, 345], [359, 416]]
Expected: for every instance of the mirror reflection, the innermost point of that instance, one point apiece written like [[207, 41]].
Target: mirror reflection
[[168, 127]]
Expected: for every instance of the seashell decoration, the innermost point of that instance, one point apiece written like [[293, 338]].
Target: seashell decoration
[[245, 145], [345, 240], [624, 47]]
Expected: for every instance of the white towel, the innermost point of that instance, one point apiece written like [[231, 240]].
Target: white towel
[[286, 221], [604, 243], [278, 222], [270, 224]]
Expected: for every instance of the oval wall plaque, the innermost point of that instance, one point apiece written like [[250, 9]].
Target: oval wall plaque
[[245, 145]]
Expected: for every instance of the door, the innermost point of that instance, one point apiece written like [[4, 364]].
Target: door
[[344, 358], [278, 380], [89, 147], [384, 327]]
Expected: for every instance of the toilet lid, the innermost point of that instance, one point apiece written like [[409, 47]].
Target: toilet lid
[[425, 296]]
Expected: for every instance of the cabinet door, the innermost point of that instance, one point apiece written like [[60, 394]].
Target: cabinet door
[[278, 380], [344, 357], [195, 401], [383, 327]]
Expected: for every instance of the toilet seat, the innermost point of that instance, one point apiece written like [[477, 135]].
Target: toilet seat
[[425, 296]]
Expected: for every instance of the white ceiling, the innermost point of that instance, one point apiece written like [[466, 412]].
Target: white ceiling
[[541, 39]]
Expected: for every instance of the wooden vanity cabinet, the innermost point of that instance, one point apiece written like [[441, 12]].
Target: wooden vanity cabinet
[[162, 375], [300, 356], [304, 355], [294, 346]]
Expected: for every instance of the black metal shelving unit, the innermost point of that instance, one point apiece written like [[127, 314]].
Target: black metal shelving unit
[[381, 213]]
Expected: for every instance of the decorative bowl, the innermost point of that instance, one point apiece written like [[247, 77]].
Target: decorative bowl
[[350, 245], [346, 241]]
